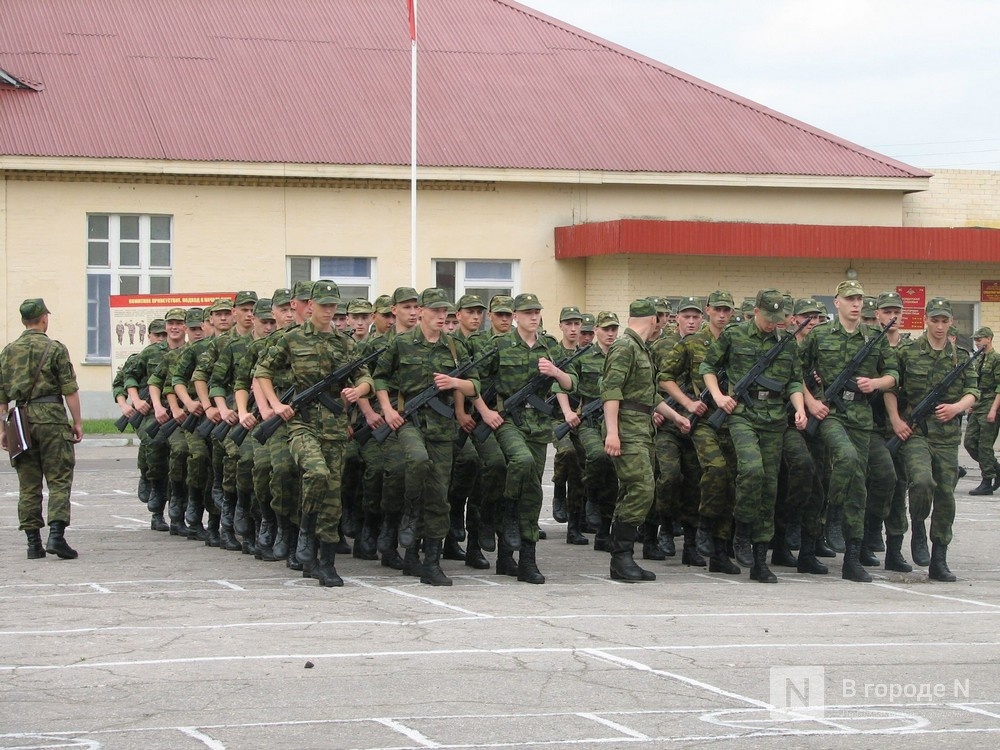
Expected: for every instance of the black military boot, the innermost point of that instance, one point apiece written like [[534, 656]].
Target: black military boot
[[852, 570], [411, 561], [703, 537], [407, 530], [56, 543], [918, 543], [573, 533], [282, 537], [309, 568], [868, 558], [689, 555], [266, 533], [807, 561], [938, 569], [35, 549], [590, 523], [175, 508], [324, 571], [527, 568], [452, 550], [156, 522], [487, 531], [719, 561], [793, 535], [759, 570], [602, 540], [873, 534], [623, 565], [474, 557], [650, 542], [158, 492], [506, 564], [456, 518], [666, 536], [366, 542], [307, 535], [985, 487], [834, 528], [227, 537], [996, 476], [292, 562], [780, 553], [742, 549], [894, 559], [559, 504], [388, 532], [241, 512], [213, 537], [217, 494], [430, 571], [822, 548], [143, 489], [343, 548], [193, 515], [510, 525], [391, 559]]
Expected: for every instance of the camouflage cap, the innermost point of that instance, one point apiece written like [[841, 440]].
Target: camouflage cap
[[501, 303], [721, 298], [570, 313], [690, 303], [383, 304], [221, 304], [938, 306], [244, 297], [194, 317], [302, 290], [326, 292], [469, 302], [788, 303], [983, 333], [588, 323], [157, 325], [175, 313], [526, 301], [868, 307], [360, 306], [662, 308], [808, 306], [747, 305], [771, 304], [433, 298], [280, 297], [606, 319], [452, 310], [404, 294], [262, 309], [641, 308], [889, 299], [953, 331], [850, 288], [33, 308]]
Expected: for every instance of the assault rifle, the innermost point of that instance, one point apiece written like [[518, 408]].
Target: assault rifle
[[207, 428], [844, 387], [238, 433], [489, 396], [755, 376], [593, 408], [705, 395], [526, 396], [318, 391], [136, 419], [920, 413]]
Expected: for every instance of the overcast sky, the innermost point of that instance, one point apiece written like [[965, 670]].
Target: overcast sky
[[918, 80]]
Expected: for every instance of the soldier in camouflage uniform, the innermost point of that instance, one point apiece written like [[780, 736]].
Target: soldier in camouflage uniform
[[318, 435], [716, 455], [628, 389], [359, 317], [567, 481], [587, 332], [981, 432], [414, 361], [931, 458], [757, 427], [37, 375]]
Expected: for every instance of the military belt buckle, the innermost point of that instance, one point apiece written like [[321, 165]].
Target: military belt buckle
[[848, 395], [763, 395]]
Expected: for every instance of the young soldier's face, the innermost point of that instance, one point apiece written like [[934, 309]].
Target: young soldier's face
[[322, 316], [763, 323], [813, 319], [451, 323], [984, 342], [849, 308], [884, 314], [262, 328], [606, 336], [283, 314], [720, 316], [937, 326], [571, 330], [384, 321], [407, 313], [434, 318], [359, 324], [688, 321], [243, 315], [176, 330], [156, 338], [195, 333], [528, 320], [502, 322], [470, 318], [340, 322], [586, 337], [222, 320]]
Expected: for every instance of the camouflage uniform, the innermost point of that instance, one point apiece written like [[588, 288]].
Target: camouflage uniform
[[980, 434]]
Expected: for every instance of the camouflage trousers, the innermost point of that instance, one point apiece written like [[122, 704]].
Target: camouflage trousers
[[157, 453], [51, 458], [758, 462], [486, 500], [371, 479], [224, 465], [285, 484], [199, 461], [178, 446], [896, 521], [567, 469], [931, 472], [428, 471], [848, 448], [881, 478], [462, 483], [678, 494], [599, 476], [634, 468], [261, 476], [393, 476], [321, 463], [239, 460], [352, 482], [717, 488], [800, 486], [980, 436], [523, 486]]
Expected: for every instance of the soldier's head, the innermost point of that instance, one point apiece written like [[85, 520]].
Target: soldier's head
[[194, 319], [302, 300], [406, 307], [690, 315], [888, 305], [769, 310], [720, 309], [382, 316], [359, 315], [157, 330], [264, 320], [983, 338], [34, 314], [527, 312], [451, 322], [587, 329], [222, 314], [868, 311], [849, 300], [281, 307], [606, 328], [175, 326], [662, 310], [806, 309], [570, 323], [939, 318], [470, 313], [502, 313], [243, 310], [642, 318], [434, 306]]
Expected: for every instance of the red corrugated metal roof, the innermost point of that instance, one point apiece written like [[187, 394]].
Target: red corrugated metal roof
[[300, 81], [735, 239]]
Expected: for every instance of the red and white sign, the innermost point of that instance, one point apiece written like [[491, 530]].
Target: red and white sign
[[914, 301]]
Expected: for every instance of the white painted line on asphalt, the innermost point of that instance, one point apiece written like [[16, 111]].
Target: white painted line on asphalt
[[99, 588], [207, 741], [130, 518], [716, 579], [616, 726], [602, 579], [976, 710], [425, 599], [937, 596], [229, 585], [406, 731]]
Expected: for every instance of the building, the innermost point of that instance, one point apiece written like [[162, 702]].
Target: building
[[201, 146]]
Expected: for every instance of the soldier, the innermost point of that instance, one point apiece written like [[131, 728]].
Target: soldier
[[981, 432], [318, 436], [587, 329], [359, 317], [567, 497], [757, 426], [359, 314], [628, 388], [868, 308], [931, 459], [37, 375]]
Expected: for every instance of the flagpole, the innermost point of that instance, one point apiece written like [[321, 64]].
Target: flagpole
[[413, 142]]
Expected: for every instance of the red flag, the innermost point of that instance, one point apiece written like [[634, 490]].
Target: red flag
[[413, 21]]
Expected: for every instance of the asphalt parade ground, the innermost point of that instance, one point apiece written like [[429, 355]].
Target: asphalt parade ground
[[150, 641]]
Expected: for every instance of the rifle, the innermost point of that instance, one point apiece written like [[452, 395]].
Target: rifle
[[593, 408], [845, 381], [526, 395], [160, 433], [920, 412], [756, 376], [239, 433], [318, 391], [136, 419], [430, 397], [489, 396], [207, 428], [705, 395]]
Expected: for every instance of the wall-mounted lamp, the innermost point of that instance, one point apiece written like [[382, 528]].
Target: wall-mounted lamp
[[851, 273]]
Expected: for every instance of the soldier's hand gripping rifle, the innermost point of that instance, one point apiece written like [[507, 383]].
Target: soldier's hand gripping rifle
[[318, 391], [239, 433], [755, 376], [526, 396], [923, 410], [430, 397], [207, 428], [705, 395], [844, 387], [593, 408], [136, 419]]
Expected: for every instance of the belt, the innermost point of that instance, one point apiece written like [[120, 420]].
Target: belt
[[763, 395], [849, 396], [636, 406], [47, 400]]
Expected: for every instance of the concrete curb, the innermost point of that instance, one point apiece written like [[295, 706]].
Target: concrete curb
[[110, 441]]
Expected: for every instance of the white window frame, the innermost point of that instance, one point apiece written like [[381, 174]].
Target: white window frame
[[463, 282], [346, 281]]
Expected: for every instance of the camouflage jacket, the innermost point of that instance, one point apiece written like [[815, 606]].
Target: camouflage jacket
[[222, 380], [18, 362], [989, 375], [879, 414], [138, 368], [736, 351], [118, 384], [185, 362], [920, 369], [681, 363], [588, 369], [629, 377]]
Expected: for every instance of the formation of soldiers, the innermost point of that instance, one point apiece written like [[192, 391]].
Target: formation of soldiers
[[282, 427]]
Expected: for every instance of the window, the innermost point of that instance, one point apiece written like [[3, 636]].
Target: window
[[126, 254], [354, 276], [485, 278]]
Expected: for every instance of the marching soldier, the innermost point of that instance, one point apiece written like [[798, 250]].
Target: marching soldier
[[981, 432]]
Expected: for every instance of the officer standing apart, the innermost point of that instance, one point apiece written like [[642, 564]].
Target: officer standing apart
[[36, 374], [628, 389]]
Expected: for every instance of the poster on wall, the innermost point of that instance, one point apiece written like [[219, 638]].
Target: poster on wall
[[914, 299], [131, 313]]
